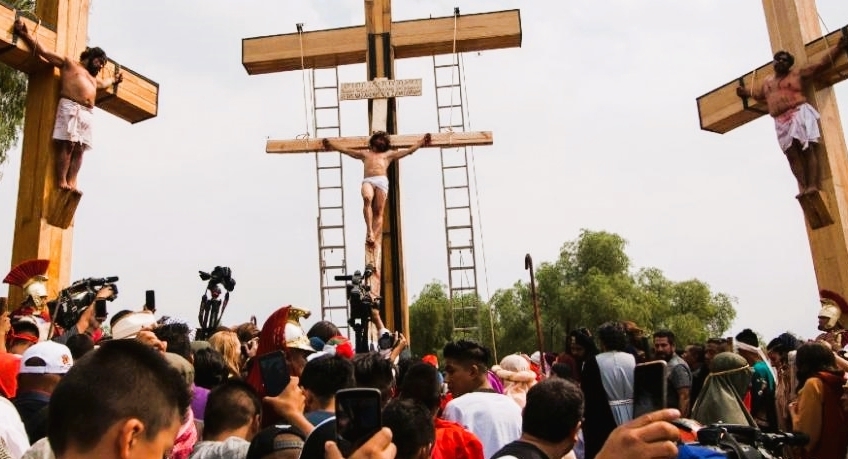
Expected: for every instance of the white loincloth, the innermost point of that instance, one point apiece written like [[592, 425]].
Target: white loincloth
[[73, 122], [799, 123], [379, 181]]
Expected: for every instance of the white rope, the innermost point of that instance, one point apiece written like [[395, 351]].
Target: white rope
[[826, 44], [455, 64], [466, 105], [304, 77]]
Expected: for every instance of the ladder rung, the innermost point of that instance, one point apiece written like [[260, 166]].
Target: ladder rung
[[455, 187], [327, 127], [327, 107], [449, 106], [457, 207], [453, 167], [330, 247], [459, 268], [325, 87], [330, 207], [443, 86], [461, 247], [452, 64], [331, 227], [453, 227], [329, 187], [451, 126], [334, 267], [330, 167]]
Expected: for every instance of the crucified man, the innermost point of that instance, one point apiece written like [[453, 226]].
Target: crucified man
[[375, 185], [795, 120], [79, 85]]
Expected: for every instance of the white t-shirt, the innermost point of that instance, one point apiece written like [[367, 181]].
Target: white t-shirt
[[494, 418], [12, 430]]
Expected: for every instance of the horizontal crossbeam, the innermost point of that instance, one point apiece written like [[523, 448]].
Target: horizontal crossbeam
[[135, 99], [415, 38], [442, 139], [721, 110]]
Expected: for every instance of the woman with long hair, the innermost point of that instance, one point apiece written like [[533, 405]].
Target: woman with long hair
[[228, 344]]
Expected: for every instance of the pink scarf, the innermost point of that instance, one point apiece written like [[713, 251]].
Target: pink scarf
[[186, 438]]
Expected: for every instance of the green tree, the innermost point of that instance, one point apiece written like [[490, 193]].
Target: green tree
[[13, 86], [429, 320]]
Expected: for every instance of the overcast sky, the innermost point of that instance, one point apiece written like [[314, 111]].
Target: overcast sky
[[595, 127]]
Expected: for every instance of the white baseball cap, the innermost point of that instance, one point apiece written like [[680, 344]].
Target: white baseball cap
[[129, 326], [46, 357]]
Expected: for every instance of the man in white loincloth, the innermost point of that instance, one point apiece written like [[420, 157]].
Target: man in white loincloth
[[795, 120], [375, 185], [79, 85]]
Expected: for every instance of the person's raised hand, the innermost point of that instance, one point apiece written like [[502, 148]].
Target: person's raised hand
[[119, 77], [290, 401], [20, 27], [379, 446], [647, 437], [326, 144], [427, 139], [741, 92]]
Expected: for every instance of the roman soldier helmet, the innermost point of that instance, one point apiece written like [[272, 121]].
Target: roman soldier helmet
[[31, 276], [833, 307], [280, 331]]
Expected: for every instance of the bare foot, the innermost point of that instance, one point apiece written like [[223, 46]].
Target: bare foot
[[811, 190], [65, 186], [369, 241]]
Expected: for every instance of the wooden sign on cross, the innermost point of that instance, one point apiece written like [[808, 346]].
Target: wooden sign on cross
[[44, 221], [379, 91], [377, 44], [793, 26]]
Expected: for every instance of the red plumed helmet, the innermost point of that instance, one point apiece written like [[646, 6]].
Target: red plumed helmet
[[27, 272]]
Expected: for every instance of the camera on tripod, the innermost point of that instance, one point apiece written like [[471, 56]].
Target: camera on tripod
[[359, 293], [67, 308]]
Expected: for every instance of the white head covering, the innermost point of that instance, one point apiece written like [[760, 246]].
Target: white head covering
[[740, 346]]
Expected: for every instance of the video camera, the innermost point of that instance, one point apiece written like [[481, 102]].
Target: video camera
[[219, 275], [361, 303], [67, 308], [746, 442]]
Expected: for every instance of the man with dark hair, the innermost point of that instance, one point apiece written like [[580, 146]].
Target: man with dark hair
[[79, 85], [281, 441], [233, 417], [372, 370], [693, 355], [176, 335], [493, 417], [795, 120], [375, 185], [763, 406], [678, 374], [24, 334], [412, 428], [550, 423], [80, 345], [608, 387], [122, 399], [422, 385], [322, 377]]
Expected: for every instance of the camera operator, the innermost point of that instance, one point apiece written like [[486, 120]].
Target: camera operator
[[388, 344], [87, 323]]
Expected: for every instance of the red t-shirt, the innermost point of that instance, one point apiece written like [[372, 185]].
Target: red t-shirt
[[453, 441]]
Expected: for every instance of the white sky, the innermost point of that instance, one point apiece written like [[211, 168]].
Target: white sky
[[595, 127]]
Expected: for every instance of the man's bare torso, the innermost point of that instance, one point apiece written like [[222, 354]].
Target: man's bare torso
[[783, 93], [77, 84], [376, 164]]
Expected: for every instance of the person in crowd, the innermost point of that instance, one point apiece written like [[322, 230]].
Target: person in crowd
[[517, 377], [721, 399], [233, 418], [679, 375], [763, 406]]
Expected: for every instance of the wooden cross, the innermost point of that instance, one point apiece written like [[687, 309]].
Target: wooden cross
[[793, 26], [44, 221], [377, 44]]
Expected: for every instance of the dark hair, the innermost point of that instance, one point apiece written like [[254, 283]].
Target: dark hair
[[79, 345], [584, 340], [373, 140], [118, 316], [468, 351], [562, 370], [323, 330], [717, 341], [123, 379], [697, 352], [246, 331], [748, 337], [210, 370], [412, 427], [92, 53], [177, 336], [612, 336], [784, 343], [24, 327], [789, 57], [231, 405], [554, 408], [668, 334], [372, 370], [326, 375], [422, 385], [811, 359]]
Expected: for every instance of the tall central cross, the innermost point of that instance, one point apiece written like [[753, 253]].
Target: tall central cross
[[44, 221], [793, 26], [377, 44]]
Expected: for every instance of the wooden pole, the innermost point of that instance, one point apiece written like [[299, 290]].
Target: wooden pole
[[540, 339]]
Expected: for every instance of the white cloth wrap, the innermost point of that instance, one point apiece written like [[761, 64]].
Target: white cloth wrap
[[73, 122], [799, 123]]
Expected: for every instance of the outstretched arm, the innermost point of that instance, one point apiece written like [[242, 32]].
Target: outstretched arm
[[106, 83], [810, 70], [49, 56], [400, 154], [329, 145]]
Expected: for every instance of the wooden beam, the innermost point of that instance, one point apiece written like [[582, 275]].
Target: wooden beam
[[415, 38], [721, 110], [442, 139], [136, 98]]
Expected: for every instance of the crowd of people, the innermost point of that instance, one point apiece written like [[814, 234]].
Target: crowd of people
[[144, 387]]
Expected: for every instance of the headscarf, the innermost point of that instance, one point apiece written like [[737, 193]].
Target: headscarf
[[721, 397], [514, 370], [186, 438]]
